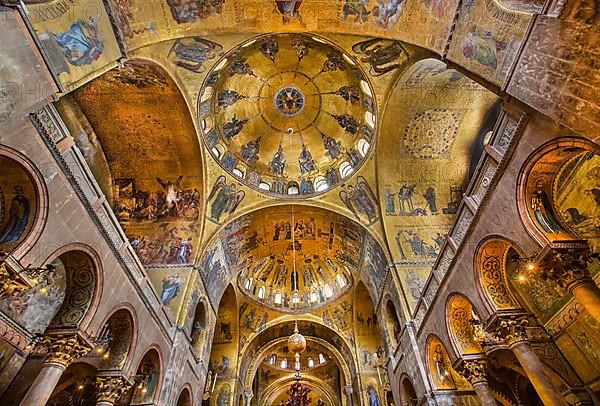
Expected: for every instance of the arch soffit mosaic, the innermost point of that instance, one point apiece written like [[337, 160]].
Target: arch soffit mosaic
[[282, 330], [459, 315], [263, 351], [123, 324], [418, 201], [157, 174], [489, 266], [537, 186], [97, 269], [32, 231]]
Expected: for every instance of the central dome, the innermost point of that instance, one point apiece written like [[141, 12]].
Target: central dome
[[288, 114]]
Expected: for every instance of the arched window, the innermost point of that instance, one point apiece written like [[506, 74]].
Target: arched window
[[321, 184], [264, 186], [284, 363], [321, 359], [365, 88], [293, 189], [311, 363], [313, 297], [238, 172], [207, 94], [261, 292], [327, 291], [341, 280], [248, 284], [363, 147], [278, 298], [370, 119], [207, 124], [346, 169]]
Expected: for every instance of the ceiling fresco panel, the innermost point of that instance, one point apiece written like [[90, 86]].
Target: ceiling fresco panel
[[154, 158], [424, 167], [487, 38], [77, 37]]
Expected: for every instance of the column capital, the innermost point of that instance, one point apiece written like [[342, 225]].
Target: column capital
[[509, 329], [110, 388], [565, 262], [474, 370], [64, 349]]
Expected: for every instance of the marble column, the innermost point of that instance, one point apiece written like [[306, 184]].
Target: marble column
[[475, 371], [348, 390], [248, 395], [512, 330], [566, 264], [109, 389], [62, 351]]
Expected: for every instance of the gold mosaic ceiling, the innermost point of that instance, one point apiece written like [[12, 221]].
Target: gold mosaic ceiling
[[288, 114]]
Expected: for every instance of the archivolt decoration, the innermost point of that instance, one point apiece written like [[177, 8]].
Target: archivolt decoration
[[120, 331], [463, 325], [490, 266], [81, 282], [288, 114]]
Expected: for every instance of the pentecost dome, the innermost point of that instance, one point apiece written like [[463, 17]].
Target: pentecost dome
[[288, 114], [299, 202]]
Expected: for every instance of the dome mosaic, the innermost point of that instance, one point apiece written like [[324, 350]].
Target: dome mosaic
[[288, 114], [312, 283]]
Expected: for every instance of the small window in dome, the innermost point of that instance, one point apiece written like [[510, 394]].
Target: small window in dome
[[321, 184], [283, 363], [207, 124], [327, 291], [293, 189], [370, 119], [220, 65], [216, 152], [249, 283], [278, 298], [321, 359], [341, 281], [313, 297], [264, 186], [349, 60], [273, 359], [261, 292], [238, 172], [311, 363], [345, 169], [363, 147], [365, 88], [206, 94]]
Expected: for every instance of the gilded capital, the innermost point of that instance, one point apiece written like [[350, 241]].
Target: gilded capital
[[566, 264], [510, 329], [474, 371], [110, 388], [63, 350]]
